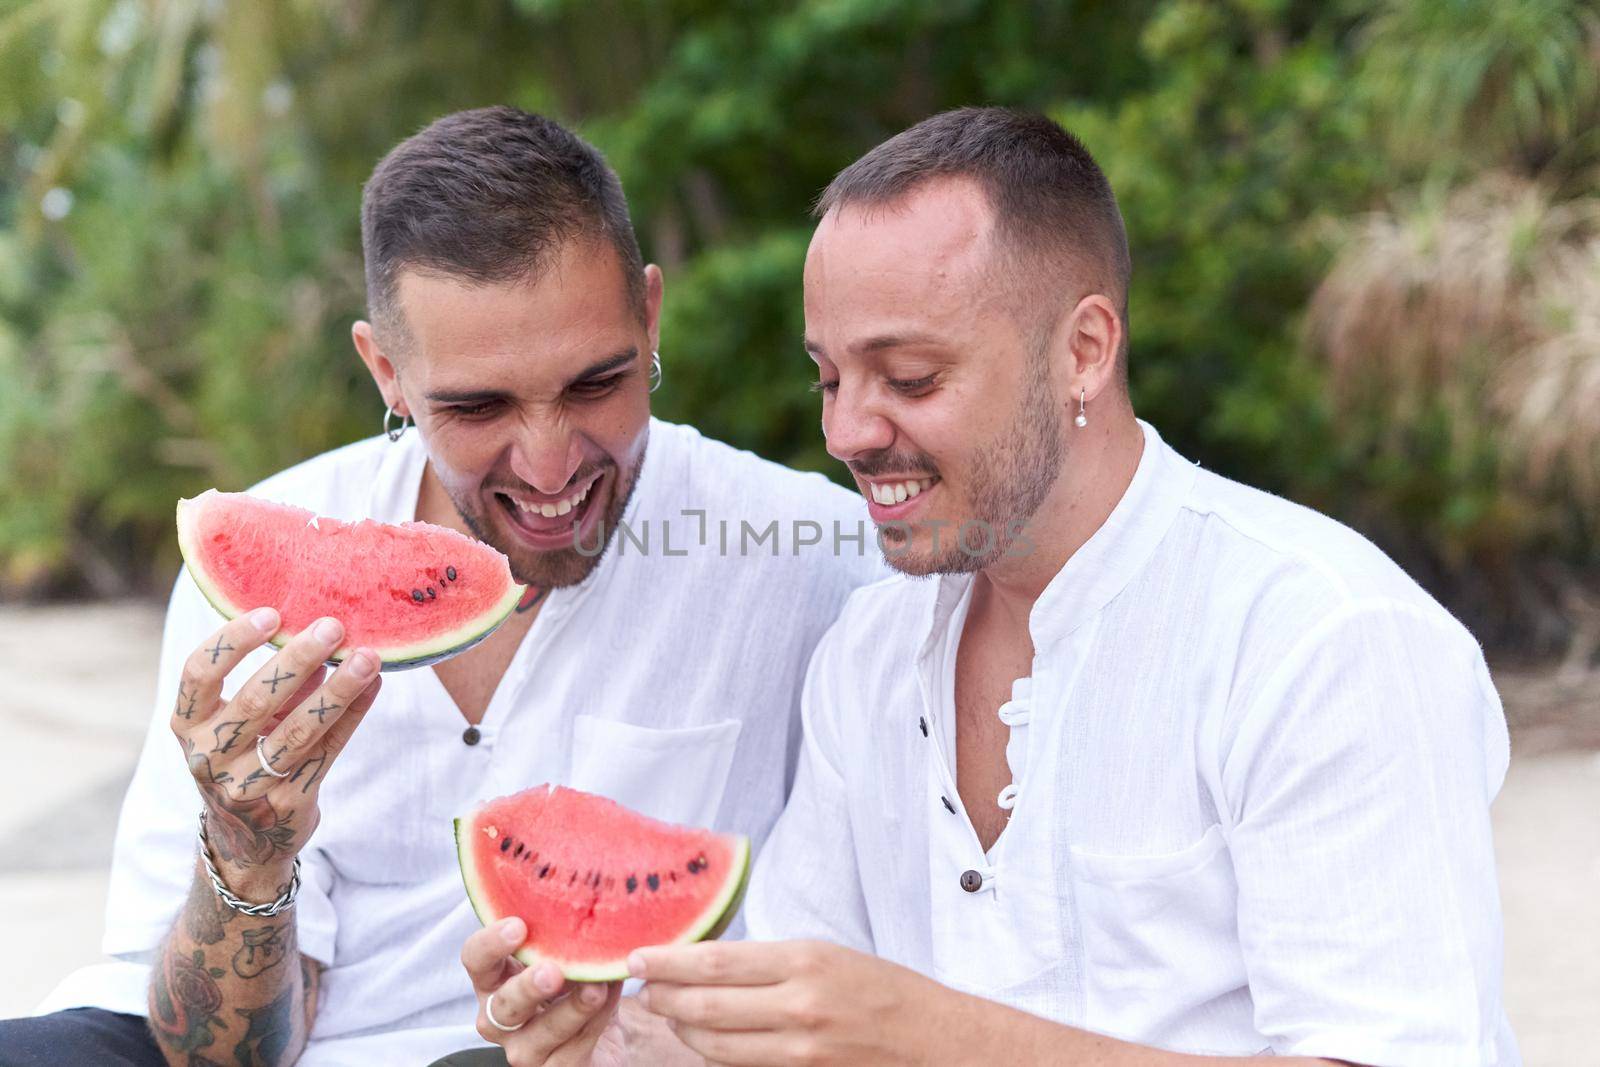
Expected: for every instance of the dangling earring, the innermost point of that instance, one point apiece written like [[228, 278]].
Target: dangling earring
[[394, 434], [1082, 420], [655, 371]]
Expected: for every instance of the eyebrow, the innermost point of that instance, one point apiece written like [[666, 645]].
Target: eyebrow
[[882, 343], [597, 369]]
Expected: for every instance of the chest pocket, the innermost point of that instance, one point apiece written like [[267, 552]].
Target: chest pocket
[[1161, 947], [675, 775]]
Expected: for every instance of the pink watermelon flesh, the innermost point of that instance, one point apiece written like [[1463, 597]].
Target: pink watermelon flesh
[[414, 593], [593, 880]]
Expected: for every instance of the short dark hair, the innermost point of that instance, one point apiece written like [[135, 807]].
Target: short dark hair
[[1050, 199], [488, 195]]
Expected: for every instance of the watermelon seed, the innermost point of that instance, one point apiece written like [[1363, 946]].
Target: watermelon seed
[[573, 879], [654, 881], [450, 573], [431, 593], [544, 870], [633, 883], [416, 594], [518, 853], [505, 846], [673, 875]]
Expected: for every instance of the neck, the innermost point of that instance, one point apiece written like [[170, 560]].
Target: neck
[[1101, 461]]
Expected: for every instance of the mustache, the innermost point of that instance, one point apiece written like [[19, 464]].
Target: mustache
[[890, 461]]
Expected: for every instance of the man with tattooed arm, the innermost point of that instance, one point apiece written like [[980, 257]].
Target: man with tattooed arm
[[316, 913]]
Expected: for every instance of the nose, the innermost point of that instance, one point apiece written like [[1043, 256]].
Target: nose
[[547, 454], [852, 425]]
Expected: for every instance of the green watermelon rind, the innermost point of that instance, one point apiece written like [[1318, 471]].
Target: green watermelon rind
[[452, 642], [712, 923]]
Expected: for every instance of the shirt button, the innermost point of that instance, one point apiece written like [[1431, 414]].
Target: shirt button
[[971, 881], [472, 736]]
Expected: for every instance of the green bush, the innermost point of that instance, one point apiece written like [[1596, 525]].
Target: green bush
[[179, 252]]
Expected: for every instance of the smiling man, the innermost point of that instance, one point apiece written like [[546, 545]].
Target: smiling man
[[656, 659], [1158, 769]]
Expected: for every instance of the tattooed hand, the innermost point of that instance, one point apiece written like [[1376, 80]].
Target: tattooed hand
[[256, 821]]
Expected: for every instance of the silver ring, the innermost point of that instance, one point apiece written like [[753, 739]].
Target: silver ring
[[262, 756], [488, 1013]]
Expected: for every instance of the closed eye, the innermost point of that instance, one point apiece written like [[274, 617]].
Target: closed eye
[[591, 388], [824, 387], [482, 410], [912, 386]]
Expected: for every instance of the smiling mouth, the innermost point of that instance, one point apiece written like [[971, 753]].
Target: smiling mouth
[[889, 494], [546, 518]]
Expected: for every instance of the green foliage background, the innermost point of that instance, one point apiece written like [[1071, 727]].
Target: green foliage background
[[180, 257]]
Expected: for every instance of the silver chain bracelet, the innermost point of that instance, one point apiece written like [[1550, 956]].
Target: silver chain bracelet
[[244, 907]]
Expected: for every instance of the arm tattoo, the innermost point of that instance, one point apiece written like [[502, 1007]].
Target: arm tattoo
[[269, 1034], [204, 915], [310, 983], [186, 999], [262, 949], [249, 1015]]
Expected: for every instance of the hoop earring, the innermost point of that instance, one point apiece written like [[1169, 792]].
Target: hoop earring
[[1082, 420], [655, 371], [395, 433]]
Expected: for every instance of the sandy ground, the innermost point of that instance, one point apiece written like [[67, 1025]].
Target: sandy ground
[[81, 683]]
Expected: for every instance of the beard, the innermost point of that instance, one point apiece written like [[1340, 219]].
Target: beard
[[1008, 480], [560, 567]]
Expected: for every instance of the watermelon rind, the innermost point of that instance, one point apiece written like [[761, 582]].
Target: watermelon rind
[[712, 923], [441, 646]]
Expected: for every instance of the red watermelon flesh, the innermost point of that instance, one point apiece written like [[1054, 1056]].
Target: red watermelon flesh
[[593, 880], [414, 592]]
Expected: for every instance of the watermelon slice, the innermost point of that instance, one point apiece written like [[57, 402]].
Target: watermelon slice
[[594, 881], [414, 593]]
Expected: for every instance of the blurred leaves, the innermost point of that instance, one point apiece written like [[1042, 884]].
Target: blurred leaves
[[179, 243]]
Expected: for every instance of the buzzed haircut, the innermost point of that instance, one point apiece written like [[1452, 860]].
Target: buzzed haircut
[[1054, 210], [488, 196]]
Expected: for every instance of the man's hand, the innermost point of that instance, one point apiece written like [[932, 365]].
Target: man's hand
[[257, 822], [793, 1002], [553, 1025]]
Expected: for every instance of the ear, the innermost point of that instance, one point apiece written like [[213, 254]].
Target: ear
[[1093, 337], [380, 366], [653, 288]]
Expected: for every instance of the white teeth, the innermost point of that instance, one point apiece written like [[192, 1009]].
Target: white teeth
[[562, 507], [891, 493]]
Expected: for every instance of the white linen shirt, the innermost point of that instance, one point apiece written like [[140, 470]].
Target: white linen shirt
[[668, 681], [1252, 768]]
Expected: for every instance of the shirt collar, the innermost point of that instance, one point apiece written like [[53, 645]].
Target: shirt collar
[[1104, 565]]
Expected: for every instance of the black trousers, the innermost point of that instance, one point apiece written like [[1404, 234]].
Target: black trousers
[[80, 1036], [91, 1037]]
